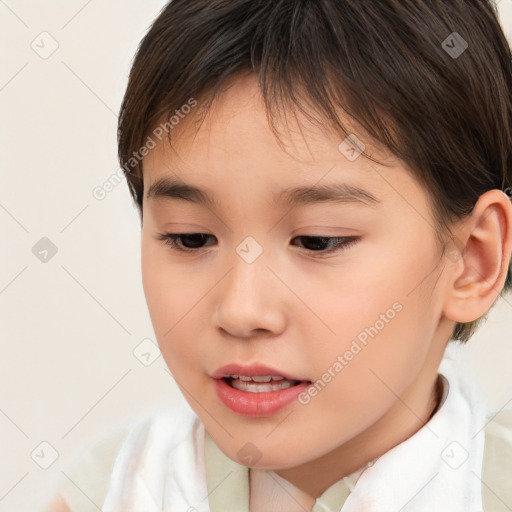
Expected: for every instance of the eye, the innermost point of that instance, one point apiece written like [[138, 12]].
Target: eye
[[190, 242], [194, 240], [319, 243]]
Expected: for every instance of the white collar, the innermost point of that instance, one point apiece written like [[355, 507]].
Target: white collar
[[439, 467]]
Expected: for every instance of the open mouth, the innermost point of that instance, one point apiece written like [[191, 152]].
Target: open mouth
[[260, 384], [258, 394]]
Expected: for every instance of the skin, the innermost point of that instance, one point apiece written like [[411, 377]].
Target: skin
[[296, 310]]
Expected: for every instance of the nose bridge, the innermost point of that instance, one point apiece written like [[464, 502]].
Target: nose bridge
[[248, 270], [248, 298]]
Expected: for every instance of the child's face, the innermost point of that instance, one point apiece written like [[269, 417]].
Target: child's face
[[293, 309]]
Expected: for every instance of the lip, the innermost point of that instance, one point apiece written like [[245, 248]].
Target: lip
[[251, 371], [255, 405]]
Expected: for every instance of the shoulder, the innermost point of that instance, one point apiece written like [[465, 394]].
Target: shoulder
[[84, 486], [497, 463]]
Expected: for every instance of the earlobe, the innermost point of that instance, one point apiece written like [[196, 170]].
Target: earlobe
[[484, 247]]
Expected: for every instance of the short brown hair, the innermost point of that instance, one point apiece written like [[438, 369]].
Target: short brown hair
[[430, 80]]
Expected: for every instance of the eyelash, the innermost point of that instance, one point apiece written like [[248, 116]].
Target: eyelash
[[344, 242]]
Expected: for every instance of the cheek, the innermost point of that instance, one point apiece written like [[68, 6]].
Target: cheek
[[170, 303], [381, 321], [168, 284], [368, 297], [171, 294], [155, 282]]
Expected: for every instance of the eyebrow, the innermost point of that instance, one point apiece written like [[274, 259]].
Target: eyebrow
[[173, 188]]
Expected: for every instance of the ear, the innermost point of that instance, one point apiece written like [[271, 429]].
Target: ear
[[479, 256]]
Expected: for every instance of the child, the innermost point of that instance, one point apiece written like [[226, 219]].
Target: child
[[324, 191]]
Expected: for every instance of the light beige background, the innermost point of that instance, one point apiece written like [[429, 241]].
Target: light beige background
[[70, 325]]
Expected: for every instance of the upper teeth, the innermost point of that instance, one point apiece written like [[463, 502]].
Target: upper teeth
[[266, 378]]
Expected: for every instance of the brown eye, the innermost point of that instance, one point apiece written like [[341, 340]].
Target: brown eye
[[326, 244], [190, 242], [184, 241]]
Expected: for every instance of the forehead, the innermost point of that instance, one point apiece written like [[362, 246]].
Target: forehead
[[238, 115], [234, 144]]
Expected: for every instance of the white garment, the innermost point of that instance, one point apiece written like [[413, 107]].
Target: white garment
[[161, 467]]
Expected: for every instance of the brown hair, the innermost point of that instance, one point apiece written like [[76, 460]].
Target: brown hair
[[430, 80]]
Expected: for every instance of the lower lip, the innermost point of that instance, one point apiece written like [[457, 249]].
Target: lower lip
[[257, 405]]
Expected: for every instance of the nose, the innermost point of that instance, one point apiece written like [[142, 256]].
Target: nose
[[251, 301]]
